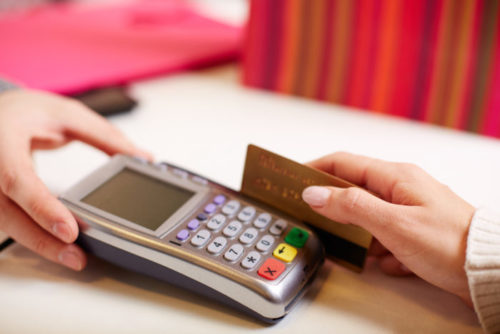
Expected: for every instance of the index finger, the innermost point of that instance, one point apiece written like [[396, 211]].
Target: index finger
[[86, 125], [373, 174]]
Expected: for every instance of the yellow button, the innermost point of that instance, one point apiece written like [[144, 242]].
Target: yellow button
[[285, 252]]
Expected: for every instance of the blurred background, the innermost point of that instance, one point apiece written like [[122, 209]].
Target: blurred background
[[431, 61]]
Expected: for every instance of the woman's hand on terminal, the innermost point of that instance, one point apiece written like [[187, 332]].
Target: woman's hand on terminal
[[420, 225], [29, 213]]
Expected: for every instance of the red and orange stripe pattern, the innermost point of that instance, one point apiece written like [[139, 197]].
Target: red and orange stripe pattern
[[431, 60]]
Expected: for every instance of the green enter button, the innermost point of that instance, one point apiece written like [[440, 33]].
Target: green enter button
[[297, 237]]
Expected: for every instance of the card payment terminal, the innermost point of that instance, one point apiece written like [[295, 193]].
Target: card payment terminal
[[166, 222]]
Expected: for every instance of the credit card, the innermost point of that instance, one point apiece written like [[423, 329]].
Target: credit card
[[279, 182]]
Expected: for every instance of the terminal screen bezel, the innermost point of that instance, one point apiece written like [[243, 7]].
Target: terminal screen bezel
[[139, 198], [107, 172]]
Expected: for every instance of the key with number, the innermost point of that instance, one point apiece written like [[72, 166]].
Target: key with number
[[234, 252], [265, 243], [249, 235], [216, 222], [217, 245], [231, 207], [200, 238], [232, 229], [246, 214], [262, 220]]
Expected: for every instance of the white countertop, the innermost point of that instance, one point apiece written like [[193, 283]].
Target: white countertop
[[203, 121]]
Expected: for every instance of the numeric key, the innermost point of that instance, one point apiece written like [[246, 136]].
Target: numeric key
[[217, 245], [265, 243], [232, 229], [249, 235], [216, 222], [234, 252], [231, 207], [262, 220], [200, 238], [246, 214]]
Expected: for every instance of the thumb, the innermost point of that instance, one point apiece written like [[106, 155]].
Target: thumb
[[353, 206]]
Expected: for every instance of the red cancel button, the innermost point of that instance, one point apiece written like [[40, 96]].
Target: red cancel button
[[271, 269]]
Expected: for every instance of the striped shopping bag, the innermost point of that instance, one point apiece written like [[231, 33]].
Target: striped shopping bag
[[436, 61]]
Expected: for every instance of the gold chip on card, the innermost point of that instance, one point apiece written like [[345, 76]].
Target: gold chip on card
[[279, 182]]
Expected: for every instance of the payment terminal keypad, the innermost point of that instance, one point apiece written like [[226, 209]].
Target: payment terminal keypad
[[243, 237]]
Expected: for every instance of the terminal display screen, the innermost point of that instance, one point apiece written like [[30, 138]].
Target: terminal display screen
[[138, 198]]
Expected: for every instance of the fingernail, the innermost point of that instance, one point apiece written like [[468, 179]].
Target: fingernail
[[62, 231], [316, 196], [70, 259]]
